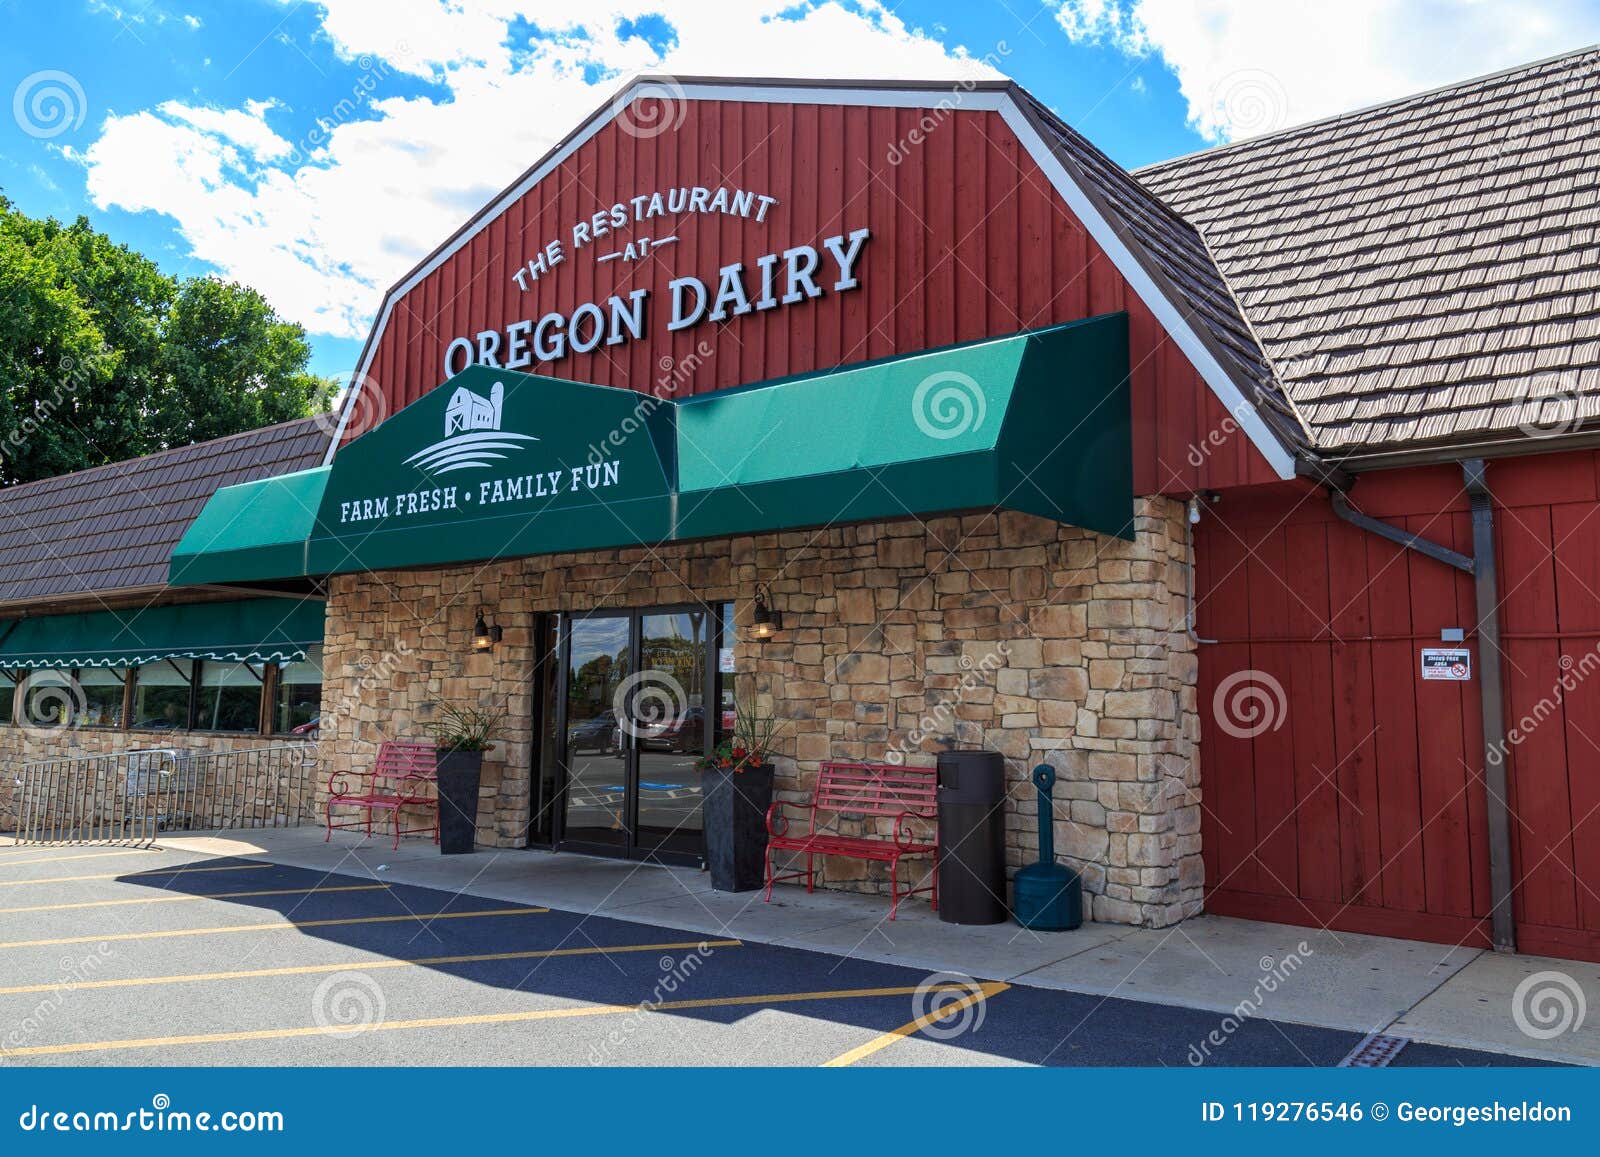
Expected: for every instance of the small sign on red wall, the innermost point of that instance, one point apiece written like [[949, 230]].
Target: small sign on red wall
[[1452, 664]]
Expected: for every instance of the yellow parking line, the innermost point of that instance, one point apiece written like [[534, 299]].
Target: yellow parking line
[[458, 1021], [137, 875], [985, 990], [10, 863], [272, 926], [366, 966], [173, 899]]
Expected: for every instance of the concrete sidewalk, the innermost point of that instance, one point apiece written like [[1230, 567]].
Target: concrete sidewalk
[[1427, 992]]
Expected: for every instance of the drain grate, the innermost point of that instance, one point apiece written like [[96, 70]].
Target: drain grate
[[1375, 1051]]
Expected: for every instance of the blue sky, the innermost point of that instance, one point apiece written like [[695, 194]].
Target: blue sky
[[317, 148]]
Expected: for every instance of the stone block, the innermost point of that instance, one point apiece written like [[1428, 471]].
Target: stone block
[[1016, 530], [1110, 613], [1057, 713], [1059, 683], [1060, 621], [1081, 841], [863, 668], [1106, 674], [858, 606], [1025, 653], [1113, 765], [1148, 704]]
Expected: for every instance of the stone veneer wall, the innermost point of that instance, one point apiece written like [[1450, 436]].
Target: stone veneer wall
[[1041, 641]]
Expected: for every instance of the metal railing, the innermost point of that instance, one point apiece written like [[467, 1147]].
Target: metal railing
[[130, 797]]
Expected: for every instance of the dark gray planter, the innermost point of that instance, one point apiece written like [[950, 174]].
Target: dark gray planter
[[735, 815], [459, 773]]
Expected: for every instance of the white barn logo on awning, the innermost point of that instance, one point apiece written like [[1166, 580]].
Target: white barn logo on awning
[[472, 438]]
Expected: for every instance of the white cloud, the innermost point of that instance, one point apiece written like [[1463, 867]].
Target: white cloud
[[247, 128], [1247, 67], [324, 224]]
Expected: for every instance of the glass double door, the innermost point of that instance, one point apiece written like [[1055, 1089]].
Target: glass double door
[[634, 696]]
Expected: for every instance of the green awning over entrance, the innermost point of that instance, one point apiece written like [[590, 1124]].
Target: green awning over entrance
[[254, 630], [1037, 423], [498, 464]]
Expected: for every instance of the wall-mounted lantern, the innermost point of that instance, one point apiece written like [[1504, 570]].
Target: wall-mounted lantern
[[765, 622], [484, 637]]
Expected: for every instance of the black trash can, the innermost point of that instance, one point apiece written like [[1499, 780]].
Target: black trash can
[[972, 834]]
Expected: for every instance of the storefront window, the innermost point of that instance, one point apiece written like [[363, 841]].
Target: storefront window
[[8, 696], [49, 696], [101, 690], [161, 695], [229, 698], [297, 705]]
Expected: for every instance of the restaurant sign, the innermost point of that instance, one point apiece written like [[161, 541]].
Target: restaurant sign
[[501, 459], [773, 280]]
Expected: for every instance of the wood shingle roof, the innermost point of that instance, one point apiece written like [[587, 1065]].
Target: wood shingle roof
[[112, 528], [1423, 272]]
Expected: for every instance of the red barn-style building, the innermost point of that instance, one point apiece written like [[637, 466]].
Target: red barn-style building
[[1272, 492]]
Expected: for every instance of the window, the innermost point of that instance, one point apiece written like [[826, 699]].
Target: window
[[229, 697], [298, 703], [49, 697], [161, 695], [8, 696], [100, 696]]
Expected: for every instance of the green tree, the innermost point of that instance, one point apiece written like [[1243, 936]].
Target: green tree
[[51, 349], [104, 357], [230, 364]]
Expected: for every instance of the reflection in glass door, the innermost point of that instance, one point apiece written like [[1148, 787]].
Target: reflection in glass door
[[667, 713], [599, 655], [634, 693]]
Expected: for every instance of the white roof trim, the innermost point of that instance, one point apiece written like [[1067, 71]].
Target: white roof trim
[[1166, 311], [1164, 308]]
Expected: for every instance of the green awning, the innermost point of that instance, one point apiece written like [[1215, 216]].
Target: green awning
[[498, 464], [254, 630], [256, 530], [1037, 423]]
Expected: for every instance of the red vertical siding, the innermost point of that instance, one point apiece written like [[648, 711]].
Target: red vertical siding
[[969, 240], [1364, 807]]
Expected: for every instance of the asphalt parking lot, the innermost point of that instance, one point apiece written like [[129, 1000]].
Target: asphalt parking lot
[[116, 956]]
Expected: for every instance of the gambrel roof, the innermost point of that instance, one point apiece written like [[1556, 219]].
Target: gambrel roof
[[1418, 276]]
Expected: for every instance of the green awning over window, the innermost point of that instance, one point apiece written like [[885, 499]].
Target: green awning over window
[[256, 530], [498, 464], [255, 630]]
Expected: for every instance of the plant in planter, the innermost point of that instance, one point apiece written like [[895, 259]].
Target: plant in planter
[[461, 733], [736, 790]]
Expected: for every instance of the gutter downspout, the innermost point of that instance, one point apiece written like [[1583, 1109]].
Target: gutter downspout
[[1502, 917], [1405, 538], [1481, 567]]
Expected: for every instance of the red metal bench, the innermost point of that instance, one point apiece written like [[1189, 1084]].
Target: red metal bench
[[405, 775], [868, 789]]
